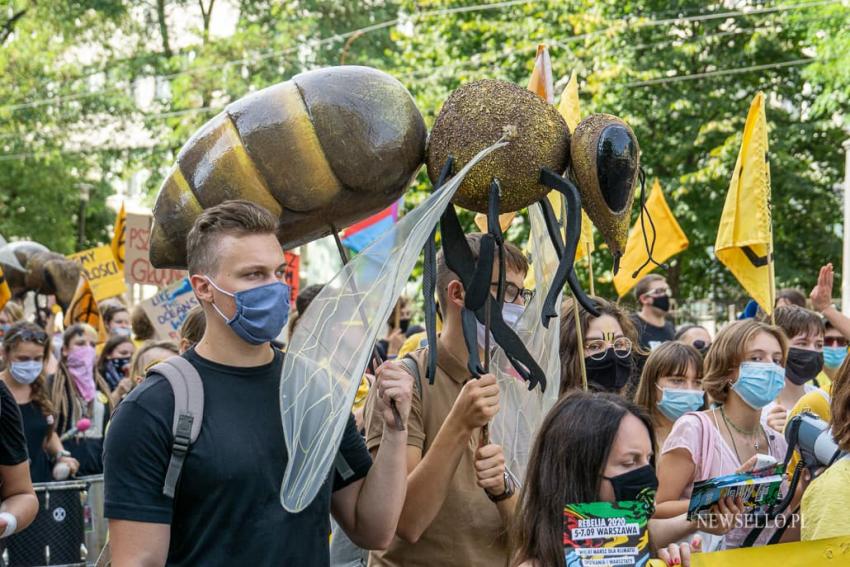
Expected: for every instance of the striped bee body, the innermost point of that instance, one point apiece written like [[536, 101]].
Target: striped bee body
[[321, 151]]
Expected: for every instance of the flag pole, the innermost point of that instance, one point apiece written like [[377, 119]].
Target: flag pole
[[590, 270]]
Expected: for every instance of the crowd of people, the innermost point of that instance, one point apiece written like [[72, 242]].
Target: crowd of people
[[645, 411]]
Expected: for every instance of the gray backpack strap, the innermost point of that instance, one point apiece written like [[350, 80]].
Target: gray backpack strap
[[188, 413], [413, 368]]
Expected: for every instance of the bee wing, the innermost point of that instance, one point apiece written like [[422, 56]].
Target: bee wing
[[334, 339], [522, 411]]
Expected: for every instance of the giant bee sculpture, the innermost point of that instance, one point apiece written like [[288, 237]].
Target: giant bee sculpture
[[332, 146]]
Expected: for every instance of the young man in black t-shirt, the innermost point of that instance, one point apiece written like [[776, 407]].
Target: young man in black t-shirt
[[653, 297], [227, 509]]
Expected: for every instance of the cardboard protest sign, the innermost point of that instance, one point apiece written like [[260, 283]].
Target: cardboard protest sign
[[137, 265], [101, 271], [168, 309]]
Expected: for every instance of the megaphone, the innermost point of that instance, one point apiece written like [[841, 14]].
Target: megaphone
[[813, 438]]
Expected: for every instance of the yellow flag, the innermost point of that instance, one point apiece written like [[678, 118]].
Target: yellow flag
[[5, 292], [569, 106], [118, 237], [570, 110], [745, 240], [83, 309], [670, 239]]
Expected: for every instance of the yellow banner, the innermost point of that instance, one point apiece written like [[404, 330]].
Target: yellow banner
[[832, 552], [5, 292], [102, 272]]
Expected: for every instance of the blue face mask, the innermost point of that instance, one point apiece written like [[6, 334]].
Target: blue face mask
[[833, 357], [759, 383], [261, 312], [675, 403], [26, 372]]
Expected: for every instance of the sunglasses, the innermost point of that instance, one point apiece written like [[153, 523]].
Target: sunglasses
[[28, 336], [835, 341]]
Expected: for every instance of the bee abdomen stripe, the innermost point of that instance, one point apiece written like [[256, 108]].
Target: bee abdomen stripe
[[279, 137]]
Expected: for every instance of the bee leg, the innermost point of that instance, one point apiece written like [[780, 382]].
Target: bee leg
[[429, 283], [565, 274]]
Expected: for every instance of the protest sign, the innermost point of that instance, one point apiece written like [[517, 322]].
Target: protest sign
[[137, 265], [168, 309], [603, 534], [102, 272]]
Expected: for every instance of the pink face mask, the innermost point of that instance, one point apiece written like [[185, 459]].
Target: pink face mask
[[80, 363]]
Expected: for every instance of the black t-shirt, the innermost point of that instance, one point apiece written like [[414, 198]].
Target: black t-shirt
[[227, 509], [35, 428], [13, 444], [652, 336]]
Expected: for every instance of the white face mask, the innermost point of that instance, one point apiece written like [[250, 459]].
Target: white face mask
[[511, 312], [26, 372]]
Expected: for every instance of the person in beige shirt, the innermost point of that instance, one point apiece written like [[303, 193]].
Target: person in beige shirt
[[459, 501]]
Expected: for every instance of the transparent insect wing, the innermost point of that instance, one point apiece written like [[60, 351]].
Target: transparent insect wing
[[522, 411], [332, 344]]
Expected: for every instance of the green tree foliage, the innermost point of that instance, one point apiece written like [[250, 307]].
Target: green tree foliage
[[681, 73]]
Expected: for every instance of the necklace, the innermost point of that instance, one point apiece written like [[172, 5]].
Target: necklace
[[753, 435]]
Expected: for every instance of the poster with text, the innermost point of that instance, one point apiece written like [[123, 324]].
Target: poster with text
[[603, 534], [168, 309], [101, 271], [137, 265]]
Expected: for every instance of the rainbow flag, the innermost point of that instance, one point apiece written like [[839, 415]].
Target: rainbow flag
[[358, 236]]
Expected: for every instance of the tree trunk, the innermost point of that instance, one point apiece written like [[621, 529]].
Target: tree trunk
[[206, 13], [163, 27]]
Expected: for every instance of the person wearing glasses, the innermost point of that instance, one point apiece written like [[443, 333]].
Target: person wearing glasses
[[26, 347], [609, 346], [653, 299], [460, 497]]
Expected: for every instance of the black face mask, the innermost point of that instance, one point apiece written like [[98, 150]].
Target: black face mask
[[803, 365], [403, 325], [639, 484], [610, 372], [661, 302], [115, 370]]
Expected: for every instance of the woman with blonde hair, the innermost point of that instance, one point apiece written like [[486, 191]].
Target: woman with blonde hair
[[670, 386], [744, 371], [78, 391]]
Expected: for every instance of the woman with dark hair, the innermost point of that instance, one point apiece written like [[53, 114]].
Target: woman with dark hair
[[79, 391], [26, 347], [114, 360], [670, 386], [695, 335], [116, 319], [610, 347], [590, 448]]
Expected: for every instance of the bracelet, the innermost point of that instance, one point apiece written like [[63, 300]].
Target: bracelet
[[11, 524], [59, 455]]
